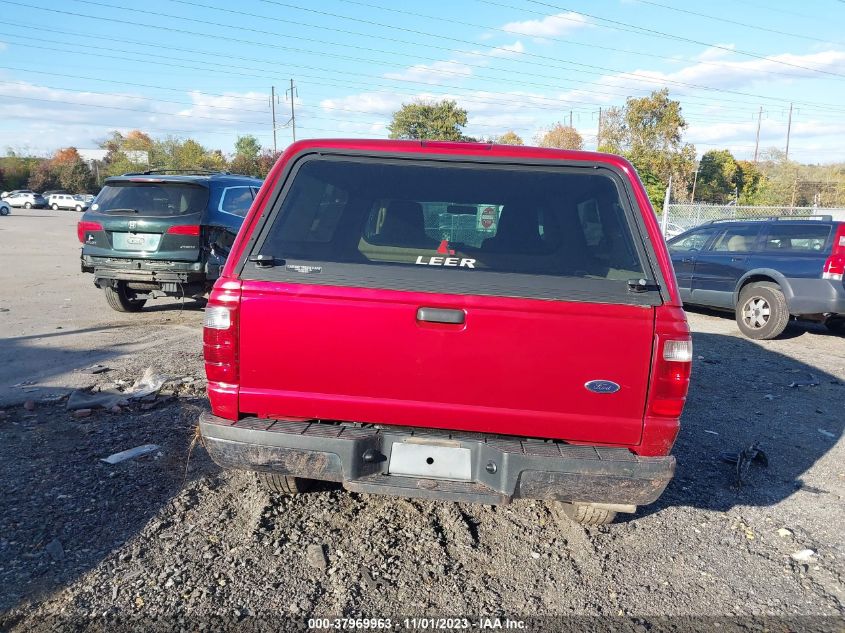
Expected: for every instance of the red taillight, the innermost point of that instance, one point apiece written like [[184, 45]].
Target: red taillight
[[834, 267], [220, 336], [84, 227], [670, 378], [184, 229]]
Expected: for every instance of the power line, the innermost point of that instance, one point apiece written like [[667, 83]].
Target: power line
[[123, 95], [660, 34], [569, 42], [217, 70], [381, 37], [445, 37], [735, 22], [474, 125], [156, 112], [650, 79], [692, 118], [28, 42], [362, 111]]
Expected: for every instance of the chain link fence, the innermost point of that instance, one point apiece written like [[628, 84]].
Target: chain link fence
[[683, 216]]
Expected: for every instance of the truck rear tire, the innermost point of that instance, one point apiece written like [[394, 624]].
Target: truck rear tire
[[283, 484], [762, 312], [119, 299], [588, 515]]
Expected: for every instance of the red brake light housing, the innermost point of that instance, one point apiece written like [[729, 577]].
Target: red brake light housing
[[834, 267], [220, 347], [184, 229], [670, 376], [84, 226]]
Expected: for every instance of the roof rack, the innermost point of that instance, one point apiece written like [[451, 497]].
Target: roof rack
[[202, 172], [821, 218]]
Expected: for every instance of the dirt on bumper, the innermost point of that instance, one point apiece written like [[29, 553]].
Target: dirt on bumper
[[503, 467]]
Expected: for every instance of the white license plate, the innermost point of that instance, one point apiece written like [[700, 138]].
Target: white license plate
[[432, 460], [136, 241]]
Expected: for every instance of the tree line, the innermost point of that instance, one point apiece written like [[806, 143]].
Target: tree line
[[132, 152], [648, 131]]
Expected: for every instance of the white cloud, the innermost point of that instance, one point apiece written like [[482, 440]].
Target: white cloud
[[436, 73], [228, 107], [383, 103], [550, 26], [733, 73], [772, 131], [716, 51], [3, 46], [507, 50], [45, 118]]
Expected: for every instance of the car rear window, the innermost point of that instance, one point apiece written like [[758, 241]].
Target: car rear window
[[152, 198], [803, 238], [529, 220]]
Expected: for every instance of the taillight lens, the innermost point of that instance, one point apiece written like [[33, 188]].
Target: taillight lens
[[84, 227], [220, 338], [217, 318], [184, 229], [834, 267], [670, 379], [677, 351]]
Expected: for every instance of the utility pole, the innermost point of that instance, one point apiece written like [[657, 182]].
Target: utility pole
[[598, 132], [570, 118], [293, 93], [664, 225], [757, 142], [788, 131], [694, 182], [273, 108]]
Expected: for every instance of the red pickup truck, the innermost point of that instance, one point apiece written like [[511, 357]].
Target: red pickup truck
[[456, 321]]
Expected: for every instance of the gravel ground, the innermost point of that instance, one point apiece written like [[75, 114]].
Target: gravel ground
[[174, 540], [164, 537]]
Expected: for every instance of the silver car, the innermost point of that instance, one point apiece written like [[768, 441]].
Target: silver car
[[27, 200]]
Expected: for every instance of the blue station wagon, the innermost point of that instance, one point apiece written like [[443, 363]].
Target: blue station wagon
[[765, 270]]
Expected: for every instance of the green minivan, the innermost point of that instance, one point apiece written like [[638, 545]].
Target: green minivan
[[162, 233]]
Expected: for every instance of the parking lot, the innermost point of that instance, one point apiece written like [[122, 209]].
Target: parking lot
[[172, 536]]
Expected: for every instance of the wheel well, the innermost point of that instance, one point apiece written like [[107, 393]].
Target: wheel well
[[752, 278]]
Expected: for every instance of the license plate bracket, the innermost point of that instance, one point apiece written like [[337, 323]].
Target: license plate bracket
[[431, 460]]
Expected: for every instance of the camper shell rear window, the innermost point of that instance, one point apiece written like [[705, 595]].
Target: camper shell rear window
[[483, 228]]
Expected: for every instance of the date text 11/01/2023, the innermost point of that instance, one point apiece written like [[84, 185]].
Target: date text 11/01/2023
[[416, 624]]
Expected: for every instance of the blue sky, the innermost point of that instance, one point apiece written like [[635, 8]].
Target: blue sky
[[72, 70]]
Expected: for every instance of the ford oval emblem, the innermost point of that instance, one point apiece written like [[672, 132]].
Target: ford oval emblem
[[602, 386]]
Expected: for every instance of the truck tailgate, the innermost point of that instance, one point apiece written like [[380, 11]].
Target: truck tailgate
[[513, 366]]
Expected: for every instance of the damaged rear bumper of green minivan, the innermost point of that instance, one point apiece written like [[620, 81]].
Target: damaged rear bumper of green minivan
[[143, 270], [499, 468]]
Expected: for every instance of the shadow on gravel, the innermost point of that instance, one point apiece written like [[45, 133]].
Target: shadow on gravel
[[64, 510], [174, 305], [793, 330], [740, 394], [26, 362], [21, 358]]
